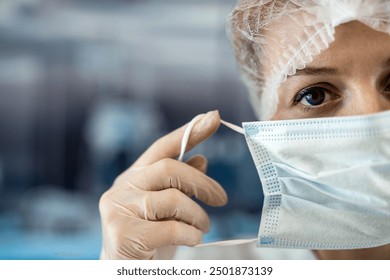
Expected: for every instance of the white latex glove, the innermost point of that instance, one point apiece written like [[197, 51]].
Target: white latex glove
[[149, 207]]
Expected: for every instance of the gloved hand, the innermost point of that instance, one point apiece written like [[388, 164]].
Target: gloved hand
[[149, 206]]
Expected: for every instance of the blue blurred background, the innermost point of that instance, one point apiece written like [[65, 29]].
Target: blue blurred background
[[85, 87]]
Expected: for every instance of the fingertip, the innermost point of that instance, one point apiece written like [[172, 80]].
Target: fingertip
[[197, 238], [203, 223], [223, 199], [217, 196], [214, 113], [199, 162], [187, 235], [210, 121], [213, 118], [207, 125]]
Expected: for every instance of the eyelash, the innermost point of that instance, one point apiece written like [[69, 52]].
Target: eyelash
[[304, 92], [387, 85], [310, 90], [324, 105], [328, 90]]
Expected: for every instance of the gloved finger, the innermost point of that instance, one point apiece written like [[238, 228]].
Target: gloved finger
[[134, 238], [170, 173], [172, 204], [199, 162], [176, 234], [169, 145]]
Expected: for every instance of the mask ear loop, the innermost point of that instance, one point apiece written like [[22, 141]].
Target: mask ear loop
[[187, 133], [227, 243], [184, 143], [234, 127]]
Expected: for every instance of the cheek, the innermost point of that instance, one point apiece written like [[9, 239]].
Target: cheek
[[284, 109], [284, 113]]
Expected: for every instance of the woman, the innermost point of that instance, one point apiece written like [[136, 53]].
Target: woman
[[299, 59]]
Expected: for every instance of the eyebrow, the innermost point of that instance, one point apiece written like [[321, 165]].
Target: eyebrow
[[312, 71]]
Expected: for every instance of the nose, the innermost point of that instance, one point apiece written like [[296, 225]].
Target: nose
[[369, 101]]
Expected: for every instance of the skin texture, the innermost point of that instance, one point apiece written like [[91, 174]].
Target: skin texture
[[355, 77], [356, 80], [148, 208]]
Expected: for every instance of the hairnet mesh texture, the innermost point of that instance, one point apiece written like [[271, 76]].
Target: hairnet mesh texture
[[271, 39]]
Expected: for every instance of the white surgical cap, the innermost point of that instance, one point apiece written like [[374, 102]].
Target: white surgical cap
[[273, 38]]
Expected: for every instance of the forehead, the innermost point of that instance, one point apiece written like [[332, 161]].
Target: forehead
[[354, 43]]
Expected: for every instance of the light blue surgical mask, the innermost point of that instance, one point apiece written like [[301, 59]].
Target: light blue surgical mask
[[326, 181]]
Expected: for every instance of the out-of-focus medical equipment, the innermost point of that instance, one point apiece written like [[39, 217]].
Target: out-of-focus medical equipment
[[272, 39], [325, 181]]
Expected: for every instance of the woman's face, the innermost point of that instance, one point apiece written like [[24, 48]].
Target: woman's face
[[351, 77]]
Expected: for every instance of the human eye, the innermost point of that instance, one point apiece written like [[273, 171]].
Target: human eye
[[387, 86], [314, 96]]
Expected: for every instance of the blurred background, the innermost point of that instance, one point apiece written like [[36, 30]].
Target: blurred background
[[85, 87]]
